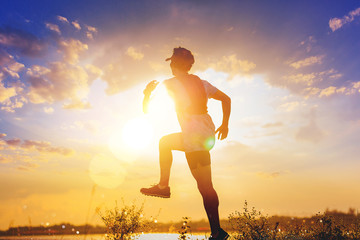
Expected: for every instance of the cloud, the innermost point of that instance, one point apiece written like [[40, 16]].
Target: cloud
[[289, 106], [13, 142], [24, 42], [13, 103], [308, 43], [8, 66], [53, 27], [33, 145], [76, 25], [302, 79], [327, 91], [62, 19], [10, 94], [90, 32], [89, 35], [59, 82], [91, 29], [77, 104], [48, 110], [307, 83], [43, 146], [6, 93], [13, 69], [356, 85], [118, 76], [307, 62], [134, 54], [232, 65], [71, 49], [336, 23]]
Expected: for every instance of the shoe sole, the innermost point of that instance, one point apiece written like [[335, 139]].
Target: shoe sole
[[155, 195]]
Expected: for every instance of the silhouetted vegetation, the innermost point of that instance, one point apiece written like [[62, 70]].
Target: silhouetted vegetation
[[122, 223], [251, 224]]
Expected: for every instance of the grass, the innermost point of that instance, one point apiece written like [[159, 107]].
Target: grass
[[248, 224], [251, 224]]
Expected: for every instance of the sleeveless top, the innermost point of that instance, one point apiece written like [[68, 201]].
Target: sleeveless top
[[189, 94]]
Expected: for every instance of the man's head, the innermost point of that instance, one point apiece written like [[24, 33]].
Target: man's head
[[181, 60]]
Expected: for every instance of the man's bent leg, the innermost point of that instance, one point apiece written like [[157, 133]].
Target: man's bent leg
[[166, 145], [200, 167]]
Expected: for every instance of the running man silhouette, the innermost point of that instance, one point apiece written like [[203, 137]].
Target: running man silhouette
[[197, 136]]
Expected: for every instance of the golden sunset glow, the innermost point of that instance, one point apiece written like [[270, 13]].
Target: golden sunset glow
[[71, 93], [106, 171]]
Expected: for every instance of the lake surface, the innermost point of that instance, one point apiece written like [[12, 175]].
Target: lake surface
[[148, 236]]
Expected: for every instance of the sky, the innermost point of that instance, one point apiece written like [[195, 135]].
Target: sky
[[73, 137]]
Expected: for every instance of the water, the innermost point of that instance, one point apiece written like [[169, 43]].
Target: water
[[148, 236]]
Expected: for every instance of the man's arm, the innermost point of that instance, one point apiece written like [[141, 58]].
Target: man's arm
[[226, 107], [147, 93]]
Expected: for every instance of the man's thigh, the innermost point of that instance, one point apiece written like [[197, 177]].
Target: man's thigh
[[173, 141], [198, 159]]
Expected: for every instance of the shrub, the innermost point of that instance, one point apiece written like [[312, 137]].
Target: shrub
[[251, 225], [185, 228], [124, 223]]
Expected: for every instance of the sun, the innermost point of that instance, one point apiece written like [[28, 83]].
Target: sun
[[137, 133], [130, 140]]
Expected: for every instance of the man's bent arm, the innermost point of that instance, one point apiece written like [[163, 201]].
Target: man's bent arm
[[146, 102], [147, 93], [226, 108]]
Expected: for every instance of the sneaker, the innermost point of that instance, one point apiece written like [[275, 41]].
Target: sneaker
[[222, 235], [155, 191]]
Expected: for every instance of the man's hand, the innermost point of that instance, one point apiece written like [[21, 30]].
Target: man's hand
[[150, 87], [223, 131], [147, 92]]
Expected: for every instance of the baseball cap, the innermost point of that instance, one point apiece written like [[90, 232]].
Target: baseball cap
[[182, 55]]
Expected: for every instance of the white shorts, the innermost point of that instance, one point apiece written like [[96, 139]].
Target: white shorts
[[198, 132]]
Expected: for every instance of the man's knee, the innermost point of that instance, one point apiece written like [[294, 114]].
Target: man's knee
[[205, 188], [198, 159], [163, 143]]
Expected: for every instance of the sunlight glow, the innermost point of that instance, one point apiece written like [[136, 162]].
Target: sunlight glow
[[127, 142], [137, 133], [160, 101]]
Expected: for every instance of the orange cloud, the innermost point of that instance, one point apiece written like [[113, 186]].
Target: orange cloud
[[59, 82], [6, 93], [71, 50], [76, 25], [25, 42], [233, 66], [53, 27], [62, 19], [77, 104], [307, 62], [135, 54], [336, 23], [327, 91], [40, 146]]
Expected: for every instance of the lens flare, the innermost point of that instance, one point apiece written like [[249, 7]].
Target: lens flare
[[209, 143]]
